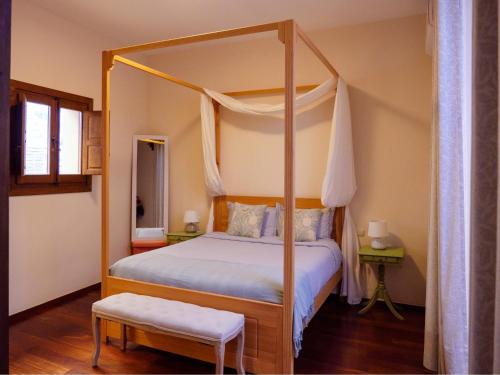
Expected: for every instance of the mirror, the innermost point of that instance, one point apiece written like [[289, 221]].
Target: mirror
[[149, 187]]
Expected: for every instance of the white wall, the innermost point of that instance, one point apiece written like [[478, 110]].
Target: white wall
[[389, 78], [55, 239]]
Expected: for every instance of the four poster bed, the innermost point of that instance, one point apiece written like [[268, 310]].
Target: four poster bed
[[268, 325]]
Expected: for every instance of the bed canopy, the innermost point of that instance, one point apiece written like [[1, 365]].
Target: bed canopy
[[339, 184]]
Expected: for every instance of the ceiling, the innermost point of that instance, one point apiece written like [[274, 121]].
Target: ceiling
[[139, 21]]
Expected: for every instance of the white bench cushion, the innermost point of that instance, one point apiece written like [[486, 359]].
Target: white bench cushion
[[174, 316]]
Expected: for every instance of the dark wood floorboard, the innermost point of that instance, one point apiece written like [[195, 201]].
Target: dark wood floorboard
[[59, 340]]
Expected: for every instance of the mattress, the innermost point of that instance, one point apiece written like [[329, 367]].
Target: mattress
[[241, 267]]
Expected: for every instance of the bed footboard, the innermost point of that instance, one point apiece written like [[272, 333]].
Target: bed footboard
[[263, 326]]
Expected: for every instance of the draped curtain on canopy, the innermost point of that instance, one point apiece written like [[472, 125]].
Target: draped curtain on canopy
[[339, 183]]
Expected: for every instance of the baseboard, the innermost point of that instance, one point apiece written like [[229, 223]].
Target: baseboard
[[23, 315]]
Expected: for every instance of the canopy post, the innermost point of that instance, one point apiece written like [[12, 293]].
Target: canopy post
[[107, 65], [289, 35]]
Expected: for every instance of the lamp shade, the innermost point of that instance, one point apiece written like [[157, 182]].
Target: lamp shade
[[377, 229], [191, 216]]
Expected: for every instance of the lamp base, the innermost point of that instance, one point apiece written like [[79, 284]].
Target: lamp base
[[191, 228], [378, 244]]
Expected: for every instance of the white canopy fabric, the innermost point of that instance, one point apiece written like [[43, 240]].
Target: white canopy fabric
[[339, 183], [303, 102]]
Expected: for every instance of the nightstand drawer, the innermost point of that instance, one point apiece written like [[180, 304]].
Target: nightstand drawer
[[176, 237], [378, 259]]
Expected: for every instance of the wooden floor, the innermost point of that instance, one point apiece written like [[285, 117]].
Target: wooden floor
[[59, 340]]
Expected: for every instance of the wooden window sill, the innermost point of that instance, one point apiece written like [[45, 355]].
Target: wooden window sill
[[42, 189]]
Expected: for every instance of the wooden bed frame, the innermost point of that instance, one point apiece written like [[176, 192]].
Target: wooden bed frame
[[269, 327], [263, 320]]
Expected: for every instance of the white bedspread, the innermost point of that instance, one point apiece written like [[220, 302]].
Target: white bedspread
[[240, 267]]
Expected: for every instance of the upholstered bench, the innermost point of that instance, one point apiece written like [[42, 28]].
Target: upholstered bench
[[174, 318]]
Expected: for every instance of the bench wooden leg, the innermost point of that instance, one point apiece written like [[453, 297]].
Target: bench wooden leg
[[220, 348], [96, 330], [123, 331], [239, 352]]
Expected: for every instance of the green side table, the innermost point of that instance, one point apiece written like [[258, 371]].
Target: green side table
[[391, 255], [176, 237]]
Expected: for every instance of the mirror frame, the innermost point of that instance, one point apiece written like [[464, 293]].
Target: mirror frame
[[135, 140]]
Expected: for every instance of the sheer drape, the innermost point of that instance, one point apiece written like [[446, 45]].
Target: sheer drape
[[446, 325], [339, 184], [339, 187]]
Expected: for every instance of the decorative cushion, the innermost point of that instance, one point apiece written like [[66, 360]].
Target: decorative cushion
[[270, 221], [306, 223], [246, 220], [173, 316], [325, 226]]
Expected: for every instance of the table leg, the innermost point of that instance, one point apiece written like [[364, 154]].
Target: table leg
[[370, 303], [391, 307], [381, 292]]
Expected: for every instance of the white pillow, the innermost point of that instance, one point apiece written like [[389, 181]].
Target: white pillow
[[325, 226], [269, 223]]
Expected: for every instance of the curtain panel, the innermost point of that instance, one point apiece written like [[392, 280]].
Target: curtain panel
[[485, 241], [446, 321]]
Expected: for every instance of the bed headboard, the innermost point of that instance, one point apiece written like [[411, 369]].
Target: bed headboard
[[221, 216]]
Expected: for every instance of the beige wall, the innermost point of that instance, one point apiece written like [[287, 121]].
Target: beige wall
[[55, 239], [389, 78]]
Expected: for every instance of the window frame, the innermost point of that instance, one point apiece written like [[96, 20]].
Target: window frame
[[54, 183]]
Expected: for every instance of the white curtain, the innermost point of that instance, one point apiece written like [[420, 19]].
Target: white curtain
[[339, 187], [446, 318], [339, 184], [303, 102], [213, 180]]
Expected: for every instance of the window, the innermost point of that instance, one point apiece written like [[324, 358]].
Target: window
[[55, 145]]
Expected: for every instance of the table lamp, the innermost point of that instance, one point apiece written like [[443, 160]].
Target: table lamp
[[191, 219], [377, 230]]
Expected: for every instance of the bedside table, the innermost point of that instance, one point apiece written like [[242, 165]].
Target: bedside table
[[176, 237], [141, 246], [391, 255]]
